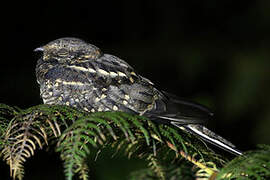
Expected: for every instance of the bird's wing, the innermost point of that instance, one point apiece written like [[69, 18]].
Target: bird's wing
[[129, 91], [171, 108], [167, 107]]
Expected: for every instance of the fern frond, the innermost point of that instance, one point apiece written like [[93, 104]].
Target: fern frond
[[22, 136], [76, 131], [29, 129], [94, 129], [132, 134], [156, 166], [251, 165], [74, 149], [6, 114]]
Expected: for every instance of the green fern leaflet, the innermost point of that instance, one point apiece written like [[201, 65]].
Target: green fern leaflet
[[170, 152]]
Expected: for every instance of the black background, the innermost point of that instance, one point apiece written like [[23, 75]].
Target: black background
[[214, 52]]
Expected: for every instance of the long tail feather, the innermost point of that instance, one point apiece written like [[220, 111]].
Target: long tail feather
[[210, 137]]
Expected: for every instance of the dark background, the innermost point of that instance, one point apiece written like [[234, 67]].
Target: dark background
[[214, 52]]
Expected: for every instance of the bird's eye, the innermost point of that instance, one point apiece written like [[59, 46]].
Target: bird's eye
[[62, 52]]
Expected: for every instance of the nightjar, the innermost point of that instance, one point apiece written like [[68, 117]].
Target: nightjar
[[75, 73]]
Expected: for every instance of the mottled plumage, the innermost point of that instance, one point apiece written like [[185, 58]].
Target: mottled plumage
[[75, 73]]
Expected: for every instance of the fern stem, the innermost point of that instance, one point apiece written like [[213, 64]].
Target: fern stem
[[209, 171]]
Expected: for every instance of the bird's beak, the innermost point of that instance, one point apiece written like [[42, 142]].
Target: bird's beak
[[39, 49]]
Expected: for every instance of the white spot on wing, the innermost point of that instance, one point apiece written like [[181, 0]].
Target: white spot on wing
[[131, 79], [97, 99], [113, 74], [101, 71], [121, 74], [127, 97], [115, 108], [125, 102], [73, 83], [77, 83], [58, 80], [91, 70], [103, 96], [82, 69]]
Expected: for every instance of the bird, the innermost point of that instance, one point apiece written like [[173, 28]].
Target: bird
[[75, 73]]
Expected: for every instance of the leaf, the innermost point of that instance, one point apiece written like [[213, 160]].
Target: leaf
[[26, 130], [76, 131], [251, 165]]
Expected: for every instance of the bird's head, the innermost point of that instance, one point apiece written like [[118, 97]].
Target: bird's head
[[69, 50]]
